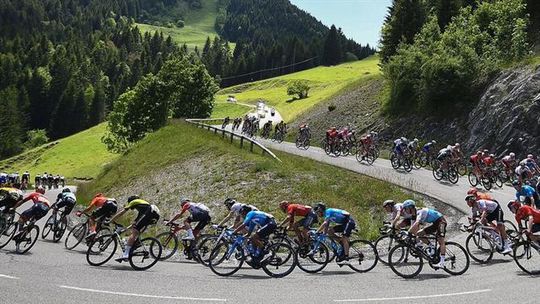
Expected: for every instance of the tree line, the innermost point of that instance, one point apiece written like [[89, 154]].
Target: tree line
[[438, 55]]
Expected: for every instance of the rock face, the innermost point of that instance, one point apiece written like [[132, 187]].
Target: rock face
[[507, 118]]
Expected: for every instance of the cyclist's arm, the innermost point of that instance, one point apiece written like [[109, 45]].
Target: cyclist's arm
[[324, 227], [117, 215], [396, 219], [483, 217], [20, 202], [226, 219], [289, 218], [239, 228], [530, 223], [414, 227]]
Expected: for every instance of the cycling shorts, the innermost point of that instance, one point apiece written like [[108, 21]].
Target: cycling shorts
[[202, 219], [346, 228], [535, 228], [308, 220], [438, 228], [496, 215], [146, 219], [267, 229], [69, 203], [107, 210], [36, 212]]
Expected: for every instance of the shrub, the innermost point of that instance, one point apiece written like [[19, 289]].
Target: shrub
[[331, 107], [300, 88], [36, 138]]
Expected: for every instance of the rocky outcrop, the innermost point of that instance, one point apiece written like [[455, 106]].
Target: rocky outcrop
[[507, 118]]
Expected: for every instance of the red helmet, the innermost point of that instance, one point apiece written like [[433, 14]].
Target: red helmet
[[472, 191], [283, 205], [98, 195], [40, 189], [514, 205]]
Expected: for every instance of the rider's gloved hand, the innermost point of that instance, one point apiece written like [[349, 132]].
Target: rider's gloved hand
[[78, 213]]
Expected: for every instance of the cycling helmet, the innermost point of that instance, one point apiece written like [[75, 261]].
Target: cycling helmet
[[98, 194], [368, 136], [388, 203], [514, 206], [433, 142], [409, 204], [283, 205], [530, 156], [470, 197], [132, 198], [333, 129], [516, 183], [486, 151], [472, 191], [478, 152], [512, 155], [184, 200], [245, 210], [40, 189], [319, 207], [403, 139], [65, 190], [492, 155], [457, 145], [415, 140], [229, 202]]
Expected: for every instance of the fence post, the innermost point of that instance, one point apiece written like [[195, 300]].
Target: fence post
[[232, 136], [223, 134], [241, 142], [251, 147]]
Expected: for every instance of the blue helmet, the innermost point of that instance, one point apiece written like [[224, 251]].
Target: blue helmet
[[409, 203]]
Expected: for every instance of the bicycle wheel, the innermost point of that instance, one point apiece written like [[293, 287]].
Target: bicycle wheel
[[479, 248], [511, 230], [204, 248], [145, 255], [27, 240], [47, 228], [75, 236], [60, 229], [453, 176], [169, 244], [362, 256], [280, 260], [498, 181], [7, 233], [457, 260], [383, 245], [473, 179], [298, 142], [310, 260], [371, 157], [394, 161], [407, 266], [307, 144], [527, 257], [101, 250], [407, 165], [437, 173], [417, 164], [486, 183], [226, 260]]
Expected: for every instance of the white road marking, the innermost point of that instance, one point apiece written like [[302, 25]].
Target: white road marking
[[8, 277], [416, 297], [142, 295]]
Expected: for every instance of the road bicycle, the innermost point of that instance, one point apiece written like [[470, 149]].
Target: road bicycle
[[483, 241], [406, 259], [8, 226], [368, 156], [527, 254], [450, 173], [56, 223], [190, 248], [303, 139], [80, 232], [398, 161], [385, 242], [144, 253], [362, 254], [25, 238], [279, 136], [277, 259]]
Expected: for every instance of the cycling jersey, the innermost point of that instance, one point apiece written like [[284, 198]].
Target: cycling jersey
[[148, 214], [508, 160], [526, 191], [337, 216], [9, 197], [525, 211], [427, 147], [236, 207], [257, 219], [426, 215], [195, 209], [475, 160], [66, 196], [521, 170], [484, 206], [137, 204], [298, 210], [396, 209], [37, 198], [99, 201], [488, 161]]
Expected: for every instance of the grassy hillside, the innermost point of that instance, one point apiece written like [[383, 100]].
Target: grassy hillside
[[182, 160], [199, 25], [224, 109], [325, 82], [80, 155]]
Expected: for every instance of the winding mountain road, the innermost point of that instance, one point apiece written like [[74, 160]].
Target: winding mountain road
[[51, 274]]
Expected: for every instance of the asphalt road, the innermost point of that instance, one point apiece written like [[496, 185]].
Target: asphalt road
[[51, 274]]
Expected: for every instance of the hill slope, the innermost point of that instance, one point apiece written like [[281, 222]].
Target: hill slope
[[182, 160], [80, 155], [325, 82]]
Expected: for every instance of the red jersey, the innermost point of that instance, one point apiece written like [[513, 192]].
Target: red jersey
[[99, 201], [475, 159], [488, 161], [298, 210], [526, 211], [37, 198]]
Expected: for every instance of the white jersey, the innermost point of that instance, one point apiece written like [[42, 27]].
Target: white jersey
[[395, 211], [236, 207], [484, 205]]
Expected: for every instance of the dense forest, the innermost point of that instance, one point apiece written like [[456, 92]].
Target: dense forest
[[439, 55]]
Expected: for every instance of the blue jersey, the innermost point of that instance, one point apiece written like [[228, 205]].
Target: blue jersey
[[337, 216], [257, 219], [526, 191], [426, 215]]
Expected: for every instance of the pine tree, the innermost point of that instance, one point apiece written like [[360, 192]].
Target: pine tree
[[332, 53], [11, 130]]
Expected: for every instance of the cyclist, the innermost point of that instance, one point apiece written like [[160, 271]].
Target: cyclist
[[400, 145], [524, 212], [480, 195], [292, 210], [304, 130], [105, 207], [489, 212], [344, 134], [476, 162], [25, 177], [428, 148], [148, 214], [437, 227], [523, 172], [367, 142], [265, 224], [65, 199], [531, 164], [198, 213], [345, 224], [509, 162], [234, 208], [38, 210], [489, 161], [331, 135], [37, 180], [281, 127], [9, 197], [267, 128], [3, 178], [413, 146], [530, 194], [444, 157], [396, 213]]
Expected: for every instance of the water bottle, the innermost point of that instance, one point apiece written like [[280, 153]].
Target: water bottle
[[430, 250], [124, 242], [250, 248], [496, 238]]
